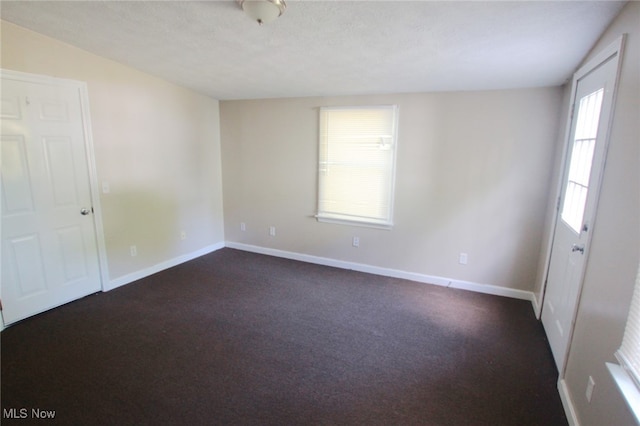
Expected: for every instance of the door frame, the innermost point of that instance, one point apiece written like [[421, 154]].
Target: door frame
[[83, 95], [614, 52]]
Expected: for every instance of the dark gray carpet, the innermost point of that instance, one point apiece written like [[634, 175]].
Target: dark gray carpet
[[236, 338]]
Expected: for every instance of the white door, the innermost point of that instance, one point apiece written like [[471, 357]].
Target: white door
[[49, 247], [592, 108]]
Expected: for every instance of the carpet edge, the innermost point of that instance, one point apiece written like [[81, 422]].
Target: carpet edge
[[393, 273], [142, 273]]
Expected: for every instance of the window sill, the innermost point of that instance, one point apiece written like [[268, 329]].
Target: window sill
[[341, 221], [627, 387]]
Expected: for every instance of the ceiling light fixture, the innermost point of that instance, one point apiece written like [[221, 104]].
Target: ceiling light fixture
[[263, 11]]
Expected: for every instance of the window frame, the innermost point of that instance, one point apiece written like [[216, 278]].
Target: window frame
[[344, 218], [625, 374]]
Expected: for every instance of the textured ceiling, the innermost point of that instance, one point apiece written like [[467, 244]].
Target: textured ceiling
[[322, 48]]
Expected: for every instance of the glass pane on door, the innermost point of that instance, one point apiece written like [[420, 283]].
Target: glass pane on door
[[582, 147]]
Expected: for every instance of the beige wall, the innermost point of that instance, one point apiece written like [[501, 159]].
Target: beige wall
[[157, 145], [473, 174], [552, 200], [615, 248]]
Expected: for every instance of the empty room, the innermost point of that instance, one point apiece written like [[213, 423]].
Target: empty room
[[320, 212]]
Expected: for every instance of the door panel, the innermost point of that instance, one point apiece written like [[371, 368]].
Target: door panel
[[28, 268], [50, 252], [72, 254], [59, 162], [10, 107], [53, 110], [16, 183]]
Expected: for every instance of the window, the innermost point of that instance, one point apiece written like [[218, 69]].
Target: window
[[356, 166], [584, 142], [627, 375]]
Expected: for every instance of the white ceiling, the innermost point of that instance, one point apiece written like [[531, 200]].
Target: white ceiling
[[322, 48]]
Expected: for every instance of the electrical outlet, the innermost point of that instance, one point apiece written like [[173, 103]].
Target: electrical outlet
[[356, 242], [183, 235], [590, 385], [463, 259], [272, 231], [243, 226], [134, 251]]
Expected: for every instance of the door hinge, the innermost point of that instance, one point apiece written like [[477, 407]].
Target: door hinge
[[558, 203], [27, 101], [0, 304]]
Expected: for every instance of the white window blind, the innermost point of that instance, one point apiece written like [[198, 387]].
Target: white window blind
[[627, 375], [357, 164], [629, 352]]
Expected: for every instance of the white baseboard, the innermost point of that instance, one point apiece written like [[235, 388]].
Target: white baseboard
[[567, 403], [129, 278], [537, 308], [361, 267], [387, 272]]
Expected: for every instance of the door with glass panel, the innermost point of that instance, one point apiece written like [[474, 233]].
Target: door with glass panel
[[584, 165]]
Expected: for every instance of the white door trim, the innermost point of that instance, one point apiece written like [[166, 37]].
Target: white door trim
[[88, 141], [612, 52]]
